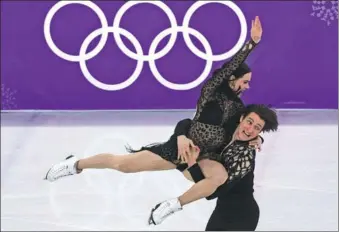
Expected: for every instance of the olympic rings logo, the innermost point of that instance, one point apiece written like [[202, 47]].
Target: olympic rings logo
[[139, 56]]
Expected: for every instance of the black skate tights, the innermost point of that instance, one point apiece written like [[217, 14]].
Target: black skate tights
[[240, 215]]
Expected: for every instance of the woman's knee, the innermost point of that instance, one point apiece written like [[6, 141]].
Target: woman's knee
[[125, 168], [128, 163]]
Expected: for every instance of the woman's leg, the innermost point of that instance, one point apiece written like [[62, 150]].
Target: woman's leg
[[215, 175], [130, 163], [137, 162]]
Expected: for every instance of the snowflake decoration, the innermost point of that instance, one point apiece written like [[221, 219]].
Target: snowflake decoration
[[7, 98], [325, 10]]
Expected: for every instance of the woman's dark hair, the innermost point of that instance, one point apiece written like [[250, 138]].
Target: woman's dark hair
[[241, 70], [238, 73]]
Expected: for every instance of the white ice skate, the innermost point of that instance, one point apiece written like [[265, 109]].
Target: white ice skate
[[161, 211], [62, 169]]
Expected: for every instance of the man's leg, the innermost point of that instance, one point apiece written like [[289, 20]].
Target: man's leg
[[130, 163]]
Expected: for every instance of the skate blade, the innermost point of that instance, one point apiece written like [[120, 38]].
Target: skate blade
[[45, 178], [150, 218]]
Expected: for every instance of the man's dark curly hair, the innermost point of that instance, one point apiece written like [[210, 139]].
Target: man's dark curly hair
[[266, 113]]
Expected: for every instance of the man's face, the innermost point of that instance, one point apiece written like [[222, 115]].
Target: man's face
[[249, 127]]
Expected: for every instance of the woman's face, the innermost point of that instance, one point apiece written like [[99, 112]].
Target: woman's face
[[241, 84]]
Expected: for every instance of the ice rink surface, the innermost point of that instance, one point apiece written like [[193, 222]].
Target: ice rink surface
[[296, 176]]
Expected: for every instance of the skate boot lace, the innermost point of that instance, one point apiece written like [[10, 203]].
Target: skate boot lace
[[169, 212], [61, 170]]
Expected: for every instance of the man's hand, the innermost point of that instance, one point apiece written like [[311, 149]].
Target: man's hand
[[257, 144]]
